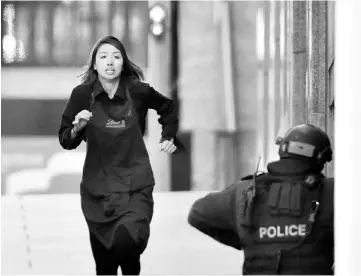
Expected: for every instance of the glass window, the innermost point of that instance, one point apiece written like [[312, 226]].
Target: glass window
[[62, 49], [101, 16], [119, 20], [138, 32], [9, 43], [62, 33], [83, 31], [41, 40], [23, 19]]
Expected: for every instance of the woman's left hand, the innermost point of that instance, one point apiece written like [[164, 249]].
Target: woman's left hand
[[168, 146]]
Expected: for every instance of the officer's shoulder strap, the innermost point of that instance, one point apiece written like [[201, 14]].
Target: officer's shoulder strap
[[243, 185], [250, 176]]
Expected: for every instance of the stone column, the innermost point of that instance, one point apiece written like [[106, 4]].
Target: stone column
[[267, 80], [317, 88], [330, 104], [158, 77], [278, 66], [200, 88], [273, 122], [298, 103], [242, 147], [219, 155]]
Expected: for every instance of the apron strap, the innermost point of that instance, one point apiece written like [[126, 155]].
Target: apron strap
[[92, 101], [127, 93]]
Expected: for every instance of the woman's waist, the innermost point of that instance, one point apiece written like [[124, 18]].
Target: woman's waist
[[122, 162], [103, 183]]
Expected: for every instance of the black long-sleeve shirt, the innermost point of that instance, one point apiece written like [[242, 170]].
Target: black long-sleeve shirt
[[144, 97]]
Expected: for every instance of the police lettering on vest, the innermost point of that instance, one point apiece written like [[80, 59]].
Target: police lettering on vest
[[292, 230]]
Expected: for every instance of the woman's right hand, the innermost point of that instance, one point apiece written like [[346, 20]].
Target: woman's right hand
[[81, 120]]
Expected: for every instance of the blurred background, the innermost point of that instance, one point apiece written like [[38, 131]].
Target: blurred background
[[241, 73]]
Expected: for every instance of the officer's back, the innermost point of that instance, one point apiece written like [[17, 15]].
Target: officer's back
[[283, 219]]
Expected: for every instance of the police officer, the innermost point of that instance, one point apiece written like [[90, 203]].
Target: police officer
[[282, 219]]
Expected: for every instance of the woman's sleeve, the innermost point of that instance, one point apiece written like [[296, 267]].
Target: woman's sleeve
[[73, 106], [167, 110]]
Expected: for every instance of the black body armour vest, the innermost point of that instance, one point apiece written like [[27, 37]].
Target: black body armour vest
[[286, 225]]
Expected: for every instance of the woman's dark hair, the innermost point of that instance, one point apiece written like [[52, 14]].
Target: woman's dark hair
[[130, 72]]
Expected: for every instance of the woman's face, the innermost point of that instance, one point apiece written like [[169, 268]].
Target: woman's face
[[108, 62]]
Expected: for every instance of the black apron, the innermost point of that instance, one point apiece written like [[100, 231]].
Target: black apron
[[118, 181]]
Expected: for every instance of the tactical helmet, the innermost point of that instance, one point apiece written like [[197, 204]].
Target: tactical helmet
[[306, 141]]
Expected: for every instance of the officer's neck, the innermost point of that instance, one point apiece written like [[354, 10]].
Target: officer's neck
[[289, 166]]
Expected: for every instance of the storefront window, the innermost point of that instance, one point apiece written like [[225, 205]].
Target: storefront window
[[41, 30], [83, 31], [9, 42], [119, 21], [62, 33], [62, 51], [101, 16], [138, 32]]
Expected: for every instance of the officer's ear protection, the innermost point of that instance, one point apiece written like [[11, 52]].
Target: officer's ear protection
[[325, 156]]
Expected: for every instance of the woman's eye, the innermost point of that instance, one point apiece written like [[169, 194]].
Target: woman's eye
[[102, 56], [117, 57]]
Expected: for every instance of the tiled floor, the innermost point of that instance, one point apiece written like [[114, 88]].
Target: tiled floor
[[47, 235]]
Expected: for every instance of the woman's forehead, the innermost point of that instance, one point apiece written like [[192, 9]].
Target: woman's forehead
[[108, 48]]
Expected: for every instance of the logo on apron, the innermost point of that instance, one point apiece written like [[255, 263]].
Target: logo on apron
[[115, 124]]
